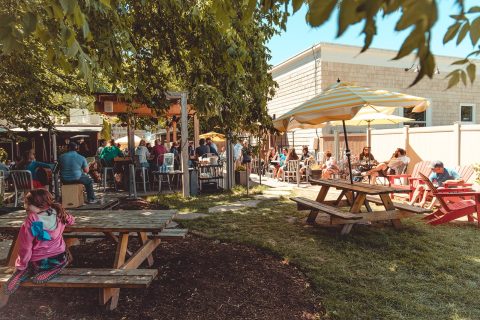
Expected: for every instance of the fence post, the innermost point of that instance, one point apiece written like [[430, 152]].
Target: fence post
[[336, 145], [457, 142], [406, 137]]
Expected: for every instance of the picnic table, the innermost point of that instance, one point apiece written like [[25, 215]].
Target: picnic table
[[122, 226], [355, 196]]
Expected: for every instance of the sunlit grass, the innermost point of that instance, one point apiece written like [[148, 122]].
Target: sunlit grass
[[376, 272]]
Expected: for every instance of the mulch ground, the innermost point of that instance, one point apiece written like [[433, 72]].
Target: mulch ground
[[198, 279]]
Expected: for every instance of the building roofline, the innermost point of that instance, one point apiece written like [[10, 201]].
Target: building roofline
[[357, 49]]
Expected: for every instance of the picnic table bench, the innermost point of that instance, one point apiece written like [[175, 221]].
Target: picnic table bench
[[146, 225], [355, 196]]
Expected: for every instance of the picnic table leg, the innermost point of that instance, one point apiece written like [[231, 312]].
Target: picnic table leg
[[320, 198], [113, 294], [143, 239], [11, 258], [13, 253], [388, 204], [356, 208]]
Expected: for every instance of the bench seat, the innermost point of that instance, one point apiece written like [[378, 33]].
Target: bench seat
[[166, 234], [401, 206], [92, 278], [308, 204]]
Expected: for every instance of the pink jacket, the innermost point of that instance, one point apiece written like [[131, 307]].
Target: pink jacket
[[32, 249]]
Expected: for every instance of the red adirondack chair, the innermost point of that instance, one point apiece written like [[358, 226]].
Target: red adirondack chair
[[413, 179], [465, 172], [449, 211]]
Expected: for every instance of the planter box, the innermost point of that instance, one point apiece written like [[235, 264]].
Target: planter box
[[241, 178]]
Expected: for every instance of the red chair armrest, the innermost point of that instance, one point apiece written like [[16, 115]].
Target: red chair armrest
[[458, 194], [399, 175], [446, 184], [454, 190]]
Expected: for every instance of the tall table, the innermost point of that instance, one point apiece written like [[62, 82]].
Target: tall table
[[354, 196], [109, 222]]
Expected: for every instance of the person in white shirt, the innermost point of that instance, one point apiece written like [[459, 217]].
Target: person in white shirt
[[143, 154], [393, 166]]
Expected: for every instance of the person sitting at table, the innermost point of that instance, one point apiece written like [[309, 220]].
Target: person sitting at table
[[330, 166], [102, 143], [398, 161], [202, 149], [305, 158], [74, 168], [366, 156], [439, 176], [158, 151], [176, 154], [42, 251], [29, 163], [212, 146], [271, 161], [149, 147], [4, 168], [143, 154], [289, 154], [109, 153]]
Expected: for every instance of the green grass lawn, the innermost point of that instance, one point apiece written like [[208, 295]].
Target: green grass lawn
[[376, 272]]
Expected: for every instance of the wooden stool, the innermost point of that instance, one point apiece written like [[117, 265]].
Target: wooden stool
[[72, 195]]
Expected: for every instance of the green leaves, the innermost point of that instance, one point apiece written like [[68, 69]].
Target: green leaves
[[475, 31], [451, 32], [297, 4], [320, 11], [463, 32], [472, 72]]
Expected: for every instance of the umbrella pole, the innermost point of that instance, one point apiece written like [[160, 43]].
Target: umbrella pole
[[347, 151]]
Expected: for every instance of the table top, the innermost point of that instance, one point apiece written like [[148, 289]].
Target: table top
[[103, 221], [121, 159], [371, 189]]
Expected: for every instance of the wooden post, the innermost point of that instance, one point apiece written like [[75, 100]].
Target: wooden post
[[457, 142], [184, 122], [168, 135], [406, 137], [174, 131], [196, 130], [336, 144]]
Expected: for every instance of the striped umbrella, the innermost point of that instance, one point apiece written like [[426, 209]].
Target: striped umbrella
[[343, 101]]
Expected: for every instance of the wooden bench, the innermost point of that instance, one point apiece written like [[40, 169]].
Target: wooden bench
[[88, 278], [165, 234], [315, 207], [401, 206]]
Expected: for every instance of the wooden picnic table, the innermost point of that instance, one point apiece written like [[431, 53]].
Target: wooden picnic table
[[117, 224], [355, 196]]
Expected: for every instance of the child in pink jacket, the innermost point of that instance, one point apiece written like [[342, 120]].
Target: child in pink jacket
[[41, 254]]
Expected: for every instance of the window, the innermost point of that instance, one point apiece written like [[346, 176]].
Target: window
[[467, 112], [419, 117]]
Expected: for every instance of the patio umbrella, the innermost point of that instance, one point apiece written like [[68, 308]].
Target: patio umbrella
[[343, 101], [370, 115], [215, 136]]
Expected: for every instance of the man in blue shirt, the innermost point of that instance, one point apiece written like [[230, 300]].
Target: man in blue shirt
[[439, 176], [74, 168]]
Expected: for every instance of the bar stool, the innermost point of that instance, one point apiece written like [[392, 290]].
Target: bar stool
[[105, 171]]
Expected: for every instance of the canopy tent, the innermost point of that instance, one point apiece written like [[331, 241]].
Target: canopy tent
[[124, 140], [342, 101], [215, 136]]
